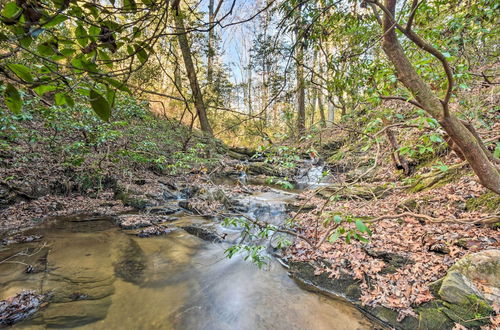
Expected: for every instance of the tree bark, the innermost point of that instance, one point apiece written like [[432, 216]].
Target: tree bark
[[331, 112], [211, 35], [321, 109], [488, 173], [301, 93], [399, 160], [190, 69]]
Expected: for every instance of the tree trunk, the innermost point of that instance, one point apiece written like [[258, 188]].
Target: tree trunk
[[190, 69], [331, 112], [211, 35], [321, 109], [301, 94], [400, 161], [488, 173]]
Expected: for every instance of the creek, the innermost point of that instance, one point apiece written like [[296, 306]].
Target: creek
[[102, 277]]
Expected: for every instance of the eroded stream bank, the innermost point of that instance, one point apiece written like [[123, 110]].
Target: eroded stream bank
[[97, 275]]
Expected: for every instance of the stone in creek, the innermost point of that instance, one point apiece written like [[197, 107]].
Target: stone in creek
[[203, 233], [20, 307], [16, 239], [136, 221], [154, 231]]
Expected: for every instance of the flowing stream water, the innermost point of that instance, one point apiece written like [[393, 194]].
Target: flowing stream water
[[101, 277]]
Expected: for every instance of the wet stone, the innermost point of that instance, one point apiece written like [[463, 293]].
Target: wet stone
[[20, 307], [154, 231], [203, 233], [16, 239]]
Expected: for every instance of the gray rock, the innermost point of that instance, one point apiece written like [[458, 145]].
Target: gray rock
[[478, 274]]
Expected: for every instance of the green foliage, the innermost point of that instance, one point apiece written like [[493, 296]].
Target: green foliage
[[284, 156], [74, 49], [346, 231], [282, 182]]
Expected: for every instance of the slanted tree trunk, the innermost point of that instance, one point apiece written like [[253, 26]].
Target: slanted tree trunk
[[479, 160], [399, 160], [190, 69]]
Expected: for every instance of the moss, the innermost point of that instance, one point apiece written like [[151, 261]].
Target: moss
[[435, 179], [431, 316], [473, 314], [486, 202], [390, 317], [435, 286], [129, 200]]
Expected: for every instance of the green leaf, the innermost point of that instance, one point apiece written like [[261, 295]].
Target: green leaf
[[496, 153], [141, 54], [13, 100], [81, 35], [10, 10], [94, 32], [110, 96], [361, 226], [42, 89], [64, 99], [21, 71], [129, 5], [100, 105], [45, 49], [69, 100], [55, 21], [118, 84], [333, 237]]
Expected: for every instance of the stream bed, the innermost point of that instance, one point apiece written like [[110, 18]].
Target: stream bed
[[102, 277]]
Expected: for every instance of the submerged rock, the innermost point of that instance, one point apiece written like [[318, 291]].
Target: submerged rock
[[132, 263], [74, 314], [20, 307]]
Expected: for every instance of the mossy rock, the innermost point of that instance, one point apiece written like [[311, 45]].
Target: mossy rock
[[489, 202], [366, 192], [390, 317], [432, 317], [464, 301], [345, 285], [435, 179], [132, 200], [473, 314], [264, 168]]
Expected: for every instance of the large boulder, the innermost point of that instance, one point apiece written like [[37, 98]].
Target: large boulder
[[471, 287]]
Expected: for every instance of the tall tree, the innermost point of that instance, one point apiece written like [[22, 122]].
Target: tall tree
[[463, 135], [301, 93], [190, 68], [211, 37]]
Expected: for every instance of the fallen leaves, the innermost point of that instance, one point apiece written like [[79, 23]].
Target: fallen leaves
[[431, 247]]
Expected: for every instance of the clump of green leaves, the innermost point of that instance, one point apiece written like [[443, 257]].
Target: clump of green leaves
[[347, 232], [282, 182]]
